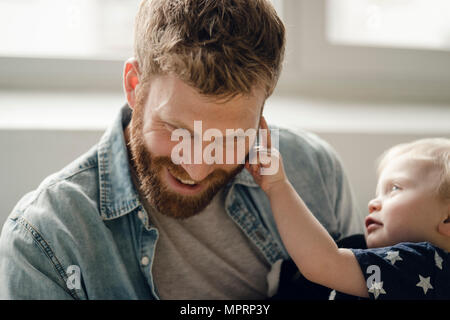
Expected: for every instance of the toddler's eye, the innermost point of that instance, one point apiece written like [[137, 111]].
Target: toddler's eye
[[395, 188]]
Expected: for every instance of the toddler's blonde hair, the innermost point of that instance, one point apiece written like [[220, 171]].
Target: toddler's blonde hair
[[435, 150]]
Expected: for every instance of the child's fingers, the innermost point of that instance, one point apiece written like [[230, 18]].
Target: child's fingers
[[250, 167], [266, 140], [266, 156]]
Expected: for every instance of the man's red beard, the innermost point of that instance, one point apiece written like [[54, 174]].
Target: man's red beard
[[149, 169]]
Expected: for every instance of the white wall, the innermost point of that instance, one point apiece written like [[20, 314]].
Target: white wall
[[28, 156]]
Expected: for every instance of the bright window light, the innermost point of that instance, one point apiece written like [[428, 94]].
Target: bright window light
[[67, 28], [96, 29], [421, 24]]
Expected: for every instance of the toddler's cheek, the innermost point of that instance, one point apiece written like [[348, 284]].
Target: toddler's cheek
[[378, 238]]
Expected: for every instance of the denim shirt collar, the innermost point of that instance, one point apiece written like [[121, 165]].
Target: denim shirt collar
[[246, 179], [118, 195]]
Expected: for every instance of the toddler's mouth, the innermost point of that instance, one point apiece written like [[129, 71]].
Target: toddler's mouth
[[371, 223]]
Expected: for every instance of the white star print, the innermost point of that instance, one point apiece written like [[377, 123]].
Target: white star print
[[393, 256], [438, 260], [332, 295], [424, 283], [377, 288]]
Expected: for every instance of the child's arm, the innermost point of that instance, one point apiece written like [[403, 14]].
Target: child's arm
[[311, 247]]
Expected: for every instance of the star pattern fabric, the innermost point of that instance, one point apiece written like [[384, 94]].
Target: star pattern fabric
[[406, 271], [393, 256], [438, 260], [332, 295], [376, 289], [424, 283]]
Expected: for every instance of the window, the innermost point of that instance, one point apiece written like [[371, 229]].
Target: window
[[65, 44], [419, 24], [329, 54], [349, 48], [100, 29]]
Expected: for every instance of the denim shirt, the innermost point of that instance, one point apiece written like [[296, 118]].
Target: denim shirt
[[86, 222]]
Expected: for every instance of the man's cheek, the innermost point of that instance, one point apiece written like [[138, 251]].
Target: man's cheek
[[159, 144]]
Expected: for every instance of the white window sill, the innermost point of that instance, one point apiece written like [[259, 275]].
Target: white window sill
[[360, 117], [26, 110]]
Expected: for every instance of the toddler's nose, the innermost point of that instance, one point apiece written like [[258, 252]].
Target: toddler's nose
[[374, 205]]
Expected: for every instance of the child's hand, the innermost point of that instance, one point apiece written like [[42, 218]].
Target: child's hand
[[277, 177]]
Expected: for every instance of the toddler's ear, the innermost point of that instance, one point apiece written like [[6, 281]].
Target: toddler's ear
[[444, 226]]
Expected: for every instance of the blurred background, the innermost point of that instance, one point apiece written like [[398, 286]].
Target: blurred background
[[362, 74]]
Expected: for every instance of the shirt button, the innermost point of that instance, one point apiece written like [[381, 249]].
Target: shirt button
[[145, 261]]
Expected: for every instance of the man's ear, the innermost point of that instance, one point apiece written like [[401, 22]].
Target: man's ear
[[444, 225], [131, 80]]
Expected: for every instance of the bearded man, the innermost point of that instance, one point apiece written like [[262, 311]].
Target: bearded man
[[124, 221]]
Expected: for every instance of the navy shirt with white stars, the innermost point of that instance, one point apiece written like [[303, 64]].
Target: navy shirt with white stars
[[406, 271]]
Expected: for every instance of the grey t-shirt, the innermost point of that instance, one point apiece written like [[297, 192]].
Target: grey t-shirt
[[206, 256]]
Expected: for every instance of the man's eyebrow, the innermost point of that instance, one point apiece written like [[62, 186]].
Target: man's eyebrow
[[181, 125], [238, 134]]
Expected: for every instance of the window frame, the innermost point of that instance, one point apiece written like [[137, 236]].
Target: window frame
[[313, 66], [29, 73], [316, 66]]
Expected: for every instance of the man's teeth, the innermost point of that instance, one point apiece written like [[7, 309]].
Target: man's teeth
[[190, 182]]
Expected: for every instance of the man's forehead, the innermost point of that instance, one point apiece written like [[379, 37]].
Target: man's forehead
[[175, 102], [243, 110], [178, 94], [218, 118]]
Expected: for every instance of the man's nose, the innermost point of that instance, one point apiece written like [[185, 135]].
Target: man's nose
[[198, 172], [374, 205]]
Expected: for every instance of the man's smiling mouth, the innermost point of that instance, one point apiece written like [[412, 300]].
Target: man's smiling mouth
[[182, 185], [189, 182], [183, 181]]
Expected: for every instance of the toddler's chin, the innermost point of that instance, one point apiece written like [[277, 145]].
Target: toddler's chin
[[375, 242]]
